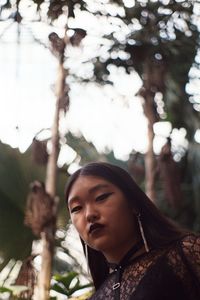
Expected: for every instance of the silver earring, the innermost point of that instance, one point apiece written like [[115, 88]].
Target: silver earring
[[142, 233], [87, 258]]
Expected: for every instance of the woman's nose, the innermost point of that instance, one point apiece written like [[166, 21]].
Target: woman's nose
[[92, 214]]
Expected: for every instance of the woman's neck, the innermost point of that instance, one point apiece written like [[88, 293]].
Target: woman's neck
[[116, 255]]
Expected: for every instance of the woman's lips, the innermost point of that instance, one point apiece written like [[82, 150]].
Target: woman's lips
[[96, 227]]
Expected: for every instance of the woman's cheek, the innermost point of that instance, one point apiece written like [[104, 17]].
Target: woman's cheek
[[74, 221], [77, 223]]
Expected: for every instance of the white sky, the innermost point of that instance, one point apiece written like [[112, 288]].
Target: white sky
[[107, 116], [26, 100]]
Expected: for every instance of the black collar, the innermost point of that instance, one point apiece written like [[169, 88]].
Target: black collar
[[119, 268], [126, 259]]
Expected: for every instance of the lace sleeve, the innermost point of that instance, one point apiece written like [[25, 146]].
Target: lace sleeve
[[191, 251]]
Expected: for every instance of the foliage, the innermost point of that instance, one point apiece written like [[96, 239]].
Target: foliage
[[16, 172], [68, 283], [160, 40], [163, 36], [4, 289], [86, 151], [188, 212], [192, 179], [57, 7], [15, 238], [84, 296], [14, 291], [159, 33]]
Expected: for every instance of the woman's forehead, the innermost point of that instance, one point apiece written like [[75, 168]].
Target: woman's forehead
[[90, 184], [89, 180]]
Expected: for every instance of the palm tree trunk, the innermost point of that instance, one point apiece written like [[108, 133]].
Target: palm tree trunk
[[47, 237], [149, 110], [150, 166]]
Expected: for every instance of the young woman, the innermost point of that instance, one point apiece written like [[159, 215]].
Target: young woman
[[133, 250]]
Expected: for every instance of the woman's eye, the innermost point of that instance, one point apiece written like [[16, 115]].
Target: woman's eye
[[103, 196], [75, 209]]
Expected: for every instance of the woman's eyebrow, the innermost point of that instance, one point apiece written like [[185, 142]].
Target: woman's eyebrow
[[91, 191], [97, 187], [73, 199]]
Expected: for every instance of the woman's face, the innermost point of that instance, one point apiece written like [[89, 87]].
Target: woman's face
[[102, 216]]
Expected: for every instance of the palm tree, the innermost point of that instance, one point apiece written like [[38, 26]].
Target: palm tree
[[160, 44]]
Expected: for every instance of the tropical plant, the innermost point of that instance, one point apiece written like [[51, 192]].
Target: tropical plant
[[16, 172], [160, 42], [68, 284], [13, 291]]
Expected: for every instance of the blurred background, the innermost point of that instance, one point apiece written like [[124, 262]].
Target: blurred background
[[93, 80]]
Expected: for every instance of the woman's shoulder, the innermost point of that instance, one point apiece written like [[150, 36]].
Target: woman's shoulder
[[190, 243], [185, 250], [190, 252], [183, 256]]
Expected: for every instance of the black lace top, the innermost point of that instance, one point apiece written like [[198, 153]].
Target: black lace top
[[162, 274]]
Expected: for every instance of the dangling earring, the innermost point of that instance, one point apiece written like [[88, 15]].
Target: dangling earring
[[87, 258], [142, 233]]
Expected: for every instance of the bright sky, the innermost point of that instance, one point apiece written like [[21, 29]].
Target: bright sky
[[110, 117], [107, 116]]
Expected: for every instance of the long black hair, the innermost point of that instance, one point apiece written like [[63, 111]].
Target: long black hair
[[159, 230]]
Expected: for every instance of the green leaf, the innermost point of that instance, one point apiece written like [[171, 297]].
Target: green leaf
[[64, 284], [56, 287], [65, 279], [79, 287], [18, 289], [5, 289]]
